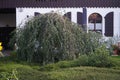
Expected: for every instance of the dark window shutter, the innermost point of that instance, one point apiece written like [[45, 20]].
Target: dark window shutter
[[109, 24], [68, 15], [79, 18], [36, 13]]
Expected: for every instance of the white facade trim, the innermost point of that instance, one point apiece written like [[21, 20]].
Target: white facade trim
[[21, 15]]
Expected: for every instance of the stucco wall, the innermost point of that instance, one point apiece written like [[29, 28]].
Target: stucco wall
[[22, 14]]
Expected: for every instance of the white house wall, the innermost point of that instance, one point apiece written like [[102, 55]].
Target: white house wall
[[22, 13]]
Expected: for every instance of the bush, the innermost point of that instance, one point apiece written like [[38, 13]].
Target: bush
[[47, 38], [112, 44], [50, 38], [49, 67], [115, 49], [65, 64], [100, 58], [82, 60], [58, 65], [91, 41]]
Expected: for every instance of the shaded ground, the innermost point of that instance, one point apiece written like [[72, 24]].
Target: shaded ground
[[6, 52]]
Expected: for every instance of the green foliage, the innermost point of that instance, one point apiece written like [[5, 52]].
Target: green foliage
[[116, 61], [83, 60], [9, 75], [50, 38], [76, 73], [47, 38], [116, 48], [27, 73], [112, 43], [91, 41], [84, 73], [100, 58], [58, 65], [65, 64], [66, 72], [9, 58], [12, 41], [112, 40], [49, 67], [13, 54]]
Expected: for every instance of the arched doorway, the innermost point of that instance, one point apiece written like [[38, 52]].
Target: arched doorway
[[109, 24], [95, 22], [68, 15], [7, 25]]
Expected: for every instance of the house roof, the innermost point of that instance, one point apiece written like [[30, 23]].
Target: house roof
[[59, 3]]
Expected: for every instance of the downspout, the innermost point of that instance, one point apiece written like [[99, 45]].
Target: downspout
[[84, 19]]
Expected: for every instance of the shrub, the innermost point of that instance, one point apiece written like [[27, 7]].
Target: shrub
[[47, 38], [83, 60], [65, 64], [49, 67], [50, 38], [112, 43], [116, 50], [100, 58], [91, 41], [58, 65]]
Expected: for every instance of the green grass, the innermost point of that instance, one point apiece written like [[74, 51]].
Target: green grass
[[85, 73], [116, 60], [60, 71]]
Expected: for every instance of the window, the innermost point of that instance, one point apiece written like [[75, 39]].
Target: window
[[95, 22]]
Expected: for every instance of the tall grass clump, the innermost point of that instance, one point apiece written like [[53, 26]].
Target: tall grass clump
[[9, 75]]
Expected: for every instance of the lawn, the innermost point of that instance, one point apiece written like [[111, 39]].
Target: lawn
[[34, 72], [116, 60]]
